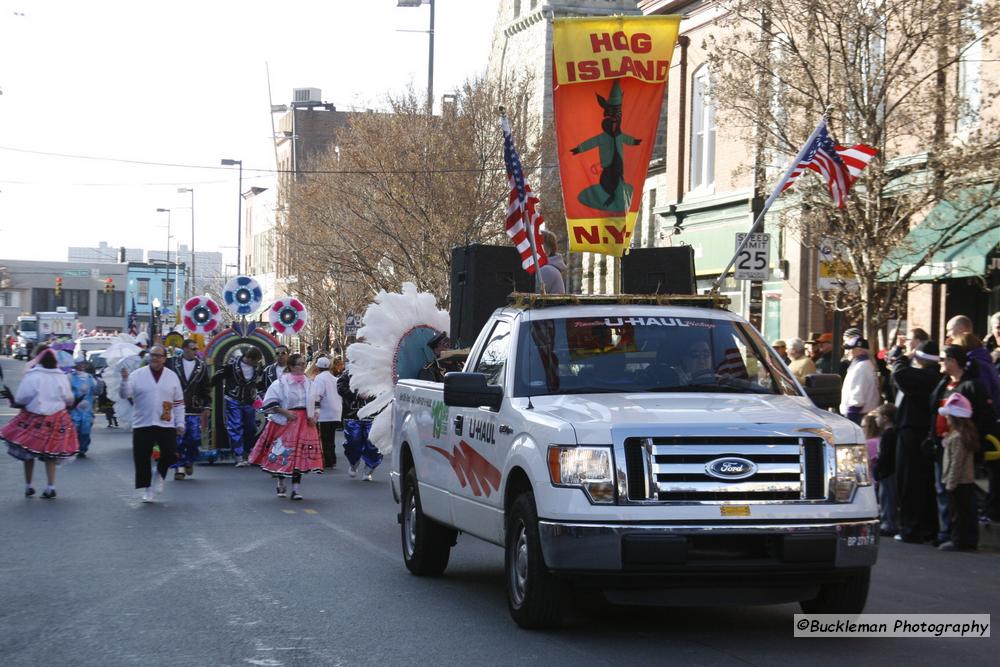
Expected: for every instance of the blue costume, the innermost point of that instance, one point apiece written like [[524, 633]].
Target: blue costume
[[357, 446], [240, 394], [196, 385], [84, 388]]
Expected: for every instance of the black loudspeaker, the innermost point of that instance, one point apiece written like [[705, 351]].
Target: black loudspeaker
[[659, 271], [482, 276]]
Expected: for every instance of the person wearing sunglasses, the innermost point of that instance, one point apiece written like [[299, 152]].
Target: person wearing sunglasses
[[157, 419], [196, 383]]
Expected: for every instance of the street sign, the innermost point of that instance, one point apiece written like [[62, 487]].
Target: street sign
[[753, 261], [835, 270], [351, 325]]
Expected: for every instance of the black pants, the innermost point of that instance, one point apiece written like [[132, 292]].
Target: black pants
[[915, 494], [328, 436], [964, 522], [143, 441], [296, 478]]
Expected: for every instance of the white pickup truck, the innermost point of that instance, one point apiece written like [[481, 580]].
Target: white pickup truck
[[655, 454]]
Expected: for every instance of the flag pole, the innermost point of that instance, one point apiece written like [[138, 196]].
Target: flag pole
[[770, 200], [539, 285]]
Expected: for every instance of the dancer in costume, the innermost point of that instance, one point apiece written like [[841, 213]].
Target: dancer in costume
[[84, 387], [195, 383], [358, 447], [157, 420], [289, 445], [323, 392], [241, 380], [43, 429], [274, 371]]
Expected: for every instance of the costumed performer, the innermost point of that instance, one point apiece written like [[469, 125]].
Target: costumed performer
[[195, 383], [43, 429], [241, 380], [289, 445], [84, 387], [358, 447]]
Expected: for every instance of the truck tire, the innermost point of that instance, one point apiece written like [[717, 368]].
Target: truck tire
[[534, 596], [845, 597], [426, 543]]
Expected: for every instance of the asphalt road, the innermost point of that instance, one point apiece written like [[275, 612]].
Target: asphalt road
[[221, 572]]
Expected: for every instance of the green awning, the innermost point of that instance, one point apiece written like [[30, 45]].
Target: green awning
[[964, 255]]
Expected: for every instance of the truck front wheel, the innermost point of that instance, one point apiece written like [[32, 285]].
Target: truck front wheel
[[534, 596], [426, 543], [844, 597]]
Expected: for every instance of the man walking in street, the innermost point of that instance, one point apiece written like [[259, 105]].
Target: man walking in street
[[84, 387], [157, 418], [324, 404], [195, 383], [273, 371], [241, 380]]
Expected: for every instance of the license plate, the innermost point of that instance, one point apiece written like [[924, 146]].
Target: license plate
[[734, 510]]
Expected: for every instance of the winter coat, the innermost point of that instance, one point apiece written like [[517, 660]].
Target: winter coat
[[915, 384], [958, 465]]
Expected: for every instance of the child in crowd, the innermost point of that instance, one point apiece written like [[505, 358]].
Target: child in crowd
[[960, 443], [885, 468]]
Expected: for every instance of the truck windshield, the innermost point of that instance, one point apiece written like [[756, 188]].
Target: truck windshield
[[645, 354], [27, 326]]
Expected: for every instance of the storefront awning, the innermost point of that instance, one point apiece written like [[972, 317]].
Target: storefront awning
[[965, 254]]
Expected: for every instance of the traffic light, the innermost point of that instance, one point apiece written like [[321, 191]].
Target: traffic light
[[109, 285], [58, 285]]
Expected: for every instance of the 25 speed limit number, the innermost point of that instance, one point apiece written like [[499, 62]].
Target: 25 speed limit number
[[753, 260]]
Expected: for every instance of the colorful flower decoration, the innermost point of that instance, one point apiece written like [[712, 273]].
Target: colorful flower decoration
[[201, 315], [288, 315], [243, 295]]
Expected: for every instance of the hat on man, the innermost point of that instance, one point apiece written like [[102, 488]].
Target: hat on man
[[928, 351], [851, 332], [824, 338], [779, 343], [323, 362], [440, 338], [855, 341], [957, 405]]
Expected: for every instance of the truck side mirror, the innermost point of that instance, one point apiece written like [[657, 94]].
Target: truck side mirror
[[823, 389], [469, 390]]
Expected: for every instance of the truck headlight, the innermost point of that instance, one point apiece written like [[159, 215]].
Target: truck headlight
[[852, 471], [587, 468]]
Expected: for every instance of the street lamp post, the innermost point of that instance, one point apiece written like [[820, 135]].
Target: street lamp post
[[191, 267], [430, 49], [166, 267], [239, 211]]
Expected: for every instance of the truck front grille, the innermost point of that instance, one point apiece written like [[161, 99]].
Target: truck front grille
[[677, 468]]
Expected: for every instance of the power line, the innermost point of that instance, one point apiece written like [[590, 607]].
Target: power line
[[362, 172]]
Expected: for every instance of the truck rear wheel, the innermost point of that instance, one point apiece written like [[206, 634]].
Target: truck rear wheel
[[845, 597], [426, 543], [534, 596]]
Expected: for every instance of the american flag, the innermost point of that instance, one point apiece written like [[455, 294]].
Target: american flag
[[838, 166], [133, 330], [521, 204]]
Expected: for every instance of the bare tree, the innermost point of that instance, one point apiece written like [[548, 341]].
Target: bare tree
[[401, 192], [887, 71]]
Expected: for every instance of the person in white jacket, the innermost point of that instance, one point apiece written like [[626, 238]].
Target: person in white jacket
[[859, 393], [43, 429], [158, 418], [323, 393]]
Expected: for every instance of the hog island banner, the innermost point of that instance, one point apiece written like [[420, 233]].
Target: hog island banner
[[609, 74]]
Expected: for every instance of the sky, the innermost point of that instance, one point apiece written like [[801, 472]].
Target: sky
[[185, 83]]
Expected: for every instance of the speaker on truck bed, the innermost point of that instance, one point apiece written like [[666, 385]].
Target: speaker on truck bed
[[481, 278], [659, 271]]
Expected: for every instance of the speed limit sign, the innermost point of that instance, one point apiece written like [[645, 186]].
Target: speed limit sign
[[753, 261]]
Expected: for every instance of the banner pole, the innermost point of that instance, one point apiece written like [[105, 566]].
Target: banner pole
[[767, 204]]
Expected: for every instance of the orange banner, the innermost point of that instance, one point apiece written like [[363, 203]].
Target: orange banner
[[609, 75]]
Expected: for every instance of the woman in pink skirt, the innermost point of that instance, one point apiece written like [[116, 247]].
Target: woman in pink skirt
[[289, 444], [43, 429]]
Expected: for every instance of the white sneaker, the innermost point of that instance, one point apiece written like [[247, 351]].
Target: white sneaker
[[147, 495], [353, 470], [158, 484], [242, 464], [366, 474]]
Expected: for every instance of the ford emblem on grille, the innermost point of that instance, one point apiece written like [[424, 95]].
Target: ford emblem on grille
[[730, 467]]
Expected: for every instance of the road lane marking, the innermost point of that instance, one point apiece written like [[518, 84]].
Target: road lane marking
[[310, 511], [288, 511]]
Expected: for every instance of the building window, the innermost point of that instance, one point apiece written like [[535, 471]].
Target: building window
[[702, 132], [168, 292], [111, 305], [75, 300], [142, 298], [970, 71], [6, 299]]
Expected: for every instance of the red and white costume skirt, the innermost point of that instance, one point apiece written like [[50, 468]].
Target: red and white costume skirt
[[48, 437], [285, 449]]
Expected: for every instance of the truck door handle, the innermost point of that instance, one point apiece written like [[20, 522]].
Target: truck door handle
[[458, 421], [506, 430]]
